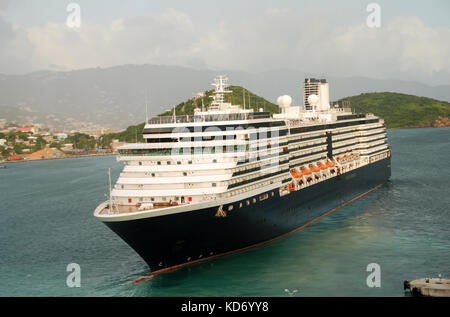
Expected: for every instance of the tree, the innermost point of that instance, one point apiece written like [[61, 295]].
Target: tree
[[11, 137], [18, 148], [4, 151], [40, 144], [55, 145]]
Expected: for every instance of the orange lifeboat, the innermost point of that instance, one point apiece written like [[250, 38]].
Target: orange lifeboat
[[295, 174], [330, 164], [305, 171], [313, 168], [291, 187], [321, 166]]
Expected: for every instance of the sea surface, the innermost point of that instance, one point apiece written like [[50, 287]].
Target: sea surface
[[47, 222]]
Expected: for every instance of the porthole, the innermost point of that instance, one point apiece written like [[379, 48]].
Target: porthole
[[159, 163], [230, 207], [254, 200], [248, 202]]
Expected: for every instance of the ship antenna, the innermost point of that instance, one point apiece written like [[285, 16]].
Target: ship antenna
[[110, 198], [146, 109]]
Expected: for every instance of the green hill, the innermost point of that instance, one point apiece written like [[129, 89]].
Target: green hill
[[401, 110], [252, 101]]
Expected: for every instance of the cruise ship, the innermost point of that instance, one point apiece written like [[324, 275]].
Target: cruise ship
[[228, 178]]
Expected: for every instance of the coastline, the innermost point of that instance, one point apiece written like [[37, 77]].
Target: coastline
[[419, 127], [58, 158]]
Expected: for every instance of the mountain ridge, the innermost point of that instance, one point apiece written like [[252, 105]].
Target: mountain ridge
[[115, 97]]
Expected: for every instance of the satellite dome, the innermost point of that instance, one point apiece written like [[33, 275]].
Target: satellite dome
[[284, 101], [313, 100]]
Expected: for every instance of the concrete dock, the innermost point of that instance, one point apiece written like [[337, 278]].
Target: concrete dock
[[434, 287]]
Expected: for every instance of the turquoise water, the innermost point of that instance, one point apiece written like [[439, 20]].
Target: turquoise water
[[46, 223]]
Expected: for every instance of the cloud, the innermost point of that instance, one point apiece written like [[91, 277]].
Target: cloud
[[4, 4], [15, 48], [278, 38]]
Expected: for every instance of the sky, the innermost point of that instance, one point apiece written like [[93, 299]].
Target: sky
[[325, 37]]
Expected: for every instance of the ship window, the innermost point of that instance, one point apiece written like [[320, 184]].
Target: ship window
[[262, 197], [121, 186], [248, 202], [179, 163], [152, 199], [273, 194], [140, 199], [254, 200], [140, 163], [168, 162], [189, 162], [153, 174], [159, 163], [240, 205], [230, 207], [177, 198], [164, 198], [214, 161], [214, 184], [184, 174]]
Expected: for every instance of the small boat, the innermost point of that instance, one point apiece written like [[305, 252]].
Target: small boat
[[2, 166], [295, 174], [314, 168], [330, 164], [305, 171]]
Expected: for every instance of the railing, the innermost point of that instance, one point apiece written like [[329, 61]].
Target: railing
[[211, 117]]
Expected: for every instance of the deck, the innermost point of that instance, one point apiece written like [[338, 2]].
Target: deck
[[124, 209]]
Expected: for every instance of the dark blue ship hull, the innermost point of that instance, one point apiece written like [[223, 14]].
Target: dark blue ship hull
[[170, 241]]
